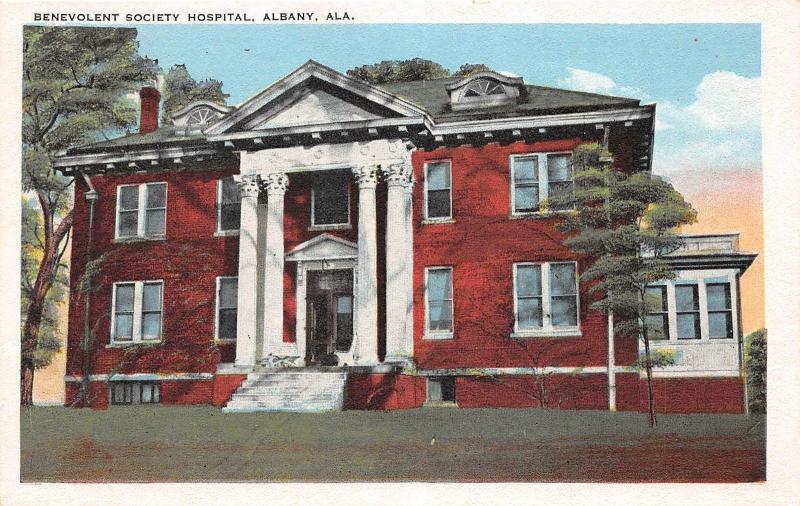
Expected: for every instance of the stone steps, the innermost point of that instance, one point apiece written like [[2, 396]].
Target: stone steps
[[289, 391]]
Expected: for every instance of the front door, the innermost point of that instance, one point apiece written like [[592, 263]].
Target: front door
[[329, 315]]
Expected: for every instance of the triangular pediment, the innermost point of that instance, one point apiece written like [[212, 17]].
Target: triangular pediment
[[314, 95], [323, 247]]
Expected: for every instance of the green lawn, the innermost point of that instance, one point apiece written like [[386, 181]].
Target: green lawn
[[199, 443]]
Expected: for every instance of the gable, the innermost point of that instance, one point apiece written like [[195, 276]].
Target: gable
[[313, 106], [323, 247]]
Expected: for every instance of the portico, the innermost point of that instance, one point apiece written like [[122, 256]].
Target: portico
[[263, 260]]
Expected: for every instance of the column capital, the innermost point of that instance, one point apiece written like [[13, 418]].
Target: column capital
[[398, 174], [275, 184], [366, 176], [248, 185]]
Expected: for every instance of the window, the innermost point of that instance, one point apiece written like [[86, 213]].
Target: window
[[227, 297], [330, 199], [438, 189], [484, 87], [439, 302], [545, 299], [720, 312], [141, 210], [535, 178], [137, 311], [687, 304], [229, 205], [442, 389], [658, 317], [134, 392]]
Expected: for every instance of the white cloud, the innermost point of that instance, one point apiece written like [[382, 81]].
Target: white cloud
[[726, 101], [593, 82]]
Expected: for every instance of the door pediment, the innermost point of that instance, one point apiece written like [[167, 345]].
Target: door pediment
[[323, 247]]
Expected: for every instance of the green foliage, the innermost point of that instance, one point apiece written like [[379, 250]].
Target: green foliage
[[31, 241], [624, 223], [756, 365], [415, 69], [658, 358], [181, 89]]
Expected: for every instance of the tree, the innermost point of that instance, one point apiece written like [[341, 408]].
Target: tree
[[181, 89], [75, 82], [756, 366], [415, 69], [625, 226]]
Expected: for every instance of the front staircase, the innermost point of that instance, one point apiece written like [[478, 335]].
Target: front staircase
[[298, 390]]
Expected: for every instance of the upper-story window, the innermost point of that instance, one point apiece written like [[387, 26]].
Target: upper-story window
[[137, 311], [537, 177], [438, 190], [545, 299], [330, 199], [690, 310], [141, 210], [229, 205]]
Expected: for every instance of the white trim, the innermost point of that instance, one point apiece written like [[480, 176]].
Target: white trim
[[191, 376], [216, 308], [437, 219], [543, 180], [331, 226], [300, 252], [439, 335], [547, 329], [516, 371], [141, 211], [138, 293]]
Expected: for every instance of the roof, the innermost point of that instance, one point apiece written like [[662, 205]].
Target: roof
[[432, 95]]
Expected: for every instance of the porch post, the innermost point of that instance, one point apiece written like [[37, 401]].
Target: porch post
[[408, 214], [366, 301], [275, 185], [398, 178], [246, 310]]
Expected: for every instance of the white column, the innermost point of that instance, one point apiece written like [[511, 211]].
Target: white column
[[246, 311], [275, 185], [408, 211], [366, 300], [398, 178]]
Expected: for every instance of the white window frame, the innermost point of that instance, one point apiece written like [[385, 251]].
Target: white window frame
[[547, 330], [138, 295], [701, 279], [544, 183], [330, 226], [141, 209], [440, 334], [217, 308], [437, 219], [220, 230]]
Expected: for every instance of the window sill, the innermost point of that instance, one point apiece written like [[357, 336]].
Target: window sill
[[528, 334], [227, 233], [131, 240], [438, 221], [321, 228], [224, 341], [133, 343], [692, 342], [440, 404], [438, 337]]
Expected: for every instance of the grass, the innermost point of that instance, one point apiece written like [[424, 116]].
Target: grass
[[199, 443]]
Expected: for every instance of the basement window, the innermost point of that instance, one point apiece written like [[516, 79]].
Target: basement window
[[134, 392], [442, 390]]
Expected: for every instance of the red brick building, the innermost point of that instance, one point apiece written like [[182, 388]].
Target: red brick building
[[332, 244]]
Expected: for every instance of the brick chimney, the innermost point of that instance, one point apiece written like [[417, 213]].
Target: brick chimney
[[150, 99]]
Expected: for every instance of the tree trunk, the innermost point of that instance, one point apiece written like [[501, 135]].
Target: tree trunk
[[651, 406], [44, 280]]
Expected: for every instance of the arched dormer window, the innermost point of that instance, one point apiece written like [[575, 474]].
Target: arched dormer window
[[198, 115], [484, 89]]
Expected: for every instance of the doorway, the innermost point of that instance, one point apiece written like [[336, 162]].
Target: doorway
[[329, 315]]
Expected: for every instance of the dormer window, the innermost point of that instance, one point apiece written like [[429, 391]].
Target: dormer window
[[201, 116], [485, 89], [198, 115]]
